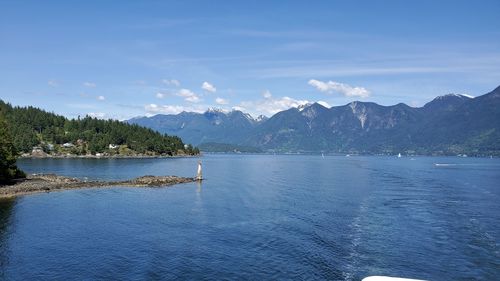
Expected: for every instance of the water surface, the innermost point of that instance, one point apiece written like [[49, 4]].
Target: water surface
[[260, 217]]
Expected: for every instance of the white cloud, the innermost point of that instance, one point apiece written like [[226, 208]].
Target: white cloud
[[193, 99], [414, 103], [89, 84], [270, 106], [208, 87], [99, 115], [239, 108], [170, 109], [188, 95], [171, 82], [53, 83], [160, 95], [344, 89], [101, 98], [469, 96], [221, 101]]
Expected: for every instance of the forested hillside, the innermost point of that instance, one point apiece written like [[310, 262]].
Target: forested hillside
[[35, 130]]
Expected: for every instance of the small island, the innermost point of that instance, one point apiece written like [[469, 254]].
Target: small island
[[37, 183], [31, 132]]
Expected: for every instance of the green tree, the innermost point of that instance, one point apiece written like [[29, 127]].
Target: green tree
[[8, 168]]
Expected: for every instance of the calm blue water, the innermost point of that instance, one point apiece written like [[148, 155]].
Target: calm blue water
[[260, 217]]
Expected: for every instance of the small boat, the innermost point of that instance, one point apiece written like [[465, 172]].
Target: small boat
[[399, 155]]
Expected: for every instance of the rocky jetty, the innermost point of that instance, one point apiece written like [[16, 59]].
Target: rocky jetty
[[50, 182]]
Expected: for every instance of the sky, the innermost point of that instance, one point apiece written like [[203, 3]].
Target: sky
[[122, 59]]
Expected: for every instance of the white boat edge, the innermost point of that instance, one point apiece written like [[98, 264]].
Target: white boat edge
[[387, 278]]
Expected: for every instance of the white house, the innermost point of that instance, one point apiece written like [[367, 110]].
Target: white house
[[68, 144]]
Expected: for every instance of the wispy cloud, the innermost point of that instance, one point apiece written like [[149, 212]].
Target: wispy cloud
[[160, 95], [221, 101], [89, 84], [267, 94], [208, 87], [343, 71], [101, 98], [161, 23], [140, 82], [297, 33], [341, 88], [130, 106], [171, 82], [53, 83], [378, 65]]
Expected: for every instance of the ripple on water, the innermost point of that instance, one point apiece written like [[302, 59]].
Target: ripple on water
[[261, 217]]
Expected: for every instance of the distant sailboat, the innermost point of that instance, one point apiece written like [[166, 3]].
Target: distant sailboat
[[387, 278], [399, 155]]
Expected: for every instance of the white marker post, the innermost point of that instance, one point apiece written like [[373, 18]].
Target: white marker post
[[199, 174]]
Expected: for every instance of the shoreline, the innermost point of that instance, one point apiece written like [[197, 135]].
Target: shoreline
[[105, 157], [38, 183]]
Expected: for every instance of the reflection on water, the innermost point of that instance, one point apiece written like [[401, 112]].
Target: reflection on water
[[198, 184], [260, 217], [6, 207]]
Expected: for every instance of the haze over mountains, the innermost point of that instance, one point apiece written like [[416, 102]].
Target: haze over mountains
[[448, 125]]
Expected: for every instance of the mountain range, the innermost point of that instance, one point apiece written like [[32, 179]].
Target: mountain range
[[448, 125]]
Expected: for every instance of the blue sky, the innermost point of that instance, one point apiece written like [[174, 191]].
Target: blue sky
[[120, 59]]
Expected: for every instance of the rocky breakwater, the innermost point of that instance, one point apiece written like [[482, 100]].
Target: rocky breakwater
[[50, 182]]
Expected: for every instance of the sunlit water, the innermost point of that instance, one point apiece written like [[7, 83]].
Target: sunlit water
[[260, 217]]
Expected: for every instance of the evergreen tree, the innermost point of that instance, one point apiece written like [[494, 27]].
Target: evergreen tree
[[8, 168]]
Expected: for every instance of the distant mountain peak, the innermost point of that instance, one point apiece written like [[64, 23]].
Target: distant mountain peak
[[314, 105], [304, 106], [261, 118], [248, 117], [313, 110], [354, 105], [453, 96], [447, 102]]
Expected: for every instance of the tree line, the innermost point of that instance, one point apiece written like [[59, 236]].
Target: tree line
[[32, 127]]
